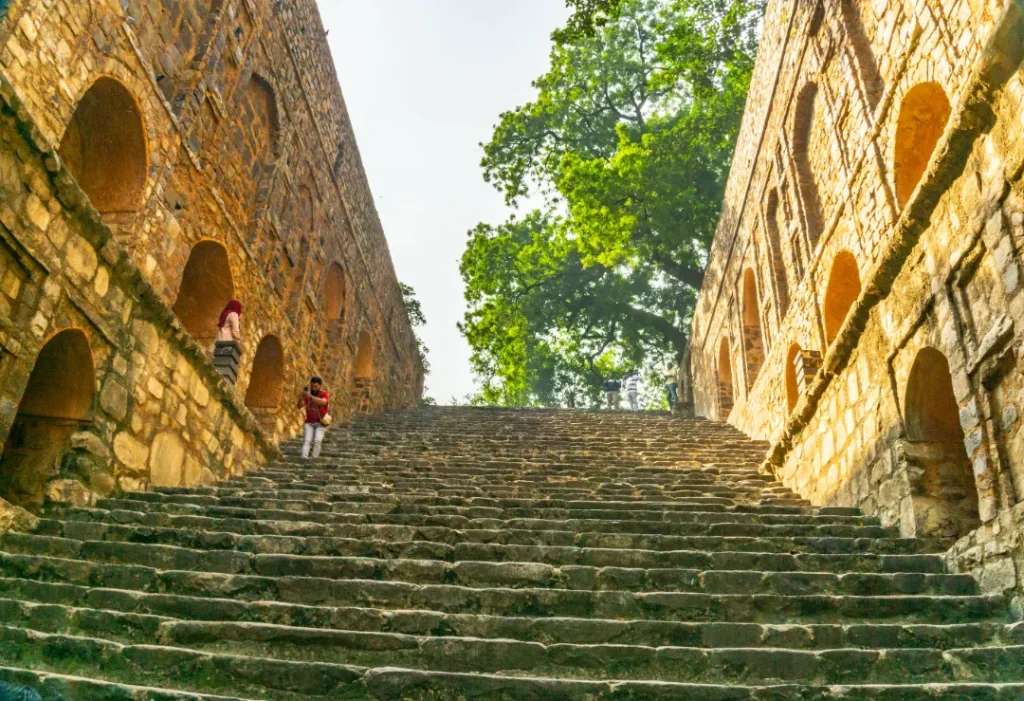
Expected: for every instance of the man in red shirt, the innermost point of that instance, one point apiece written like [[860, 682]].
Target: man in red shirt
[[314, 401]]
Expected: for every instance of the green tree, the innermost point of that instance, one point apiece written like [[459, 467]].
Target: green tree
[[414, 310], [587, 16], [627, 145]]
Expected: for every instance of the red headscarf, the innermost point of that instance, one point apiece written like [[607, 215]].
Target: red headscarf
[[232, 306]]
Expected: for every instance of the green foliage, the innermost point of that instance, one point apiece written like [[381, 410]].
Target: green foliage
[[627, 145], [414, 310], [587, 16]]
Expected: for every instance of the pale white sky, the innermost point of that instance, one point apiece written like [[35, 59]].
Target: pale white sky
[[425, 81]]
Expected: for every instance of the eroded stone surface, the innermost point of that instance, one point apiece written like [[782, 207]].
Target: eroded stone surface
[[469, 553]]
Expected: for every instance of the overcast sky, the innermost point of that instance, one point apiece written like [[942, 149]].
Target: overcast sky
[[425, 81]]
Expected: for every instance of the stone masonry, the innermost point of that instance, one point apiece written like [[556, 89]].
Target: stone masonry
[[497, 555], [158, 158], [876, 205]]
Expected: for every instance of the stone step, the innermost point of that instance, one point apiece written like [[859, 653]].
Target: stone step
[[504, 534], [445, 492], [179, 668], [61, 687], [216, 668], [386, 503], [597, 521], [137, 617], [326, 467], [520, 599], [550, 554], [489, 573]]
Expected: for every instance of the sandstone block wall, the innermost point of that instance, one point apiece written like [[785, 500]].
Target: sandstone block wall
[[158, 158], [877, 202]]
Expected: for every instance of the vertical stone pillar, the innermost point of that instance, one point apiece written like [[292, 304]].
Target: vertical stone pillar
[[226, 355]]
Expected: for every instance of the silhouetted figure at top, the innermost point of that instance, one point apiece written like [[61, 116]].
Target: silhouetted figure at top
[[15, 692]]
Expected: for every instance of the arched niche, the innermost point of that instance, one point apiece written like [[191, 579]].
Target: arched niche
[[57, 402], [923, 115], [942, 482], [860, 43], [753, 339], [775, 257], [842, 291], [364, 368], [792, 383], [260, 118], [266, 383], [803, 126], [334, 293], [725, 397], [104, 147], [206, 286]]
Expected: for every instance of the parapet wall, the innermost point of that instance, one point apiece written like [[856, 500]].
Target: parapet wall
[[862, 306], [160, 158]]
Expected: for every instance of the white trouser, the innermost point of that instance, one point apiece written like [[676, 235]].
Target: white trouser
[[312, 437], [633, 403]]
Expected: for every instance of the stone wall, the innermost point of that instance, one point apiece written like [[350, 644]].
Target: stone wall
[[877, 199], [159, 158]]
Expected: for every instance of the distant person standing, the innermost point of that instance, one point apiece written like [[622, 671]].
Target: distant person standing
[[314, 401], [671, 386], [633, 390], [611, 393]]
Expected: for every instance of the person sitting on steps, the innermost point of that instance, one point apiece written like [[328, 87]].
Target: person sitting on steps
[[314, 401]]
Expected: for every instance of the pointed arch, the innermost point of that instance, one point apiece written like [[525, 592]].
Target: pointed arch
[[365, 368], [860, 43], [753, 338], [775, 258], [792, 383], [842, 291], [803, 124], [104, 146], [725, 392], [924, 113], [266, 383], [943, 485], [334, 292]]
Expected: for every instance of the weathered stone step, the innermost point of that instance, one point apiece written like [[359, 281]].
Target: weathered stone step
[[503, 601], [511, 489], [719, 664], [468, 490], [511, 536], [138, 616], [492, 574], [297, 501], [555, 555], [61, 687], [599, 521], [337, 469], [179, 668], [410, 685], [221, 671]]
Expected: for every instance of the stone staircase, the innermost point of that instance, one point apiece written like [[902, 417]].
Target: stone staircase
[[496, 555]]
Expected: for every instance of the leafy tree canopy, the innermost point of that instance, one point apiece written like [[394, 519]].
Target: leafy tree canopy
[[626, 149], [587, 16]]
